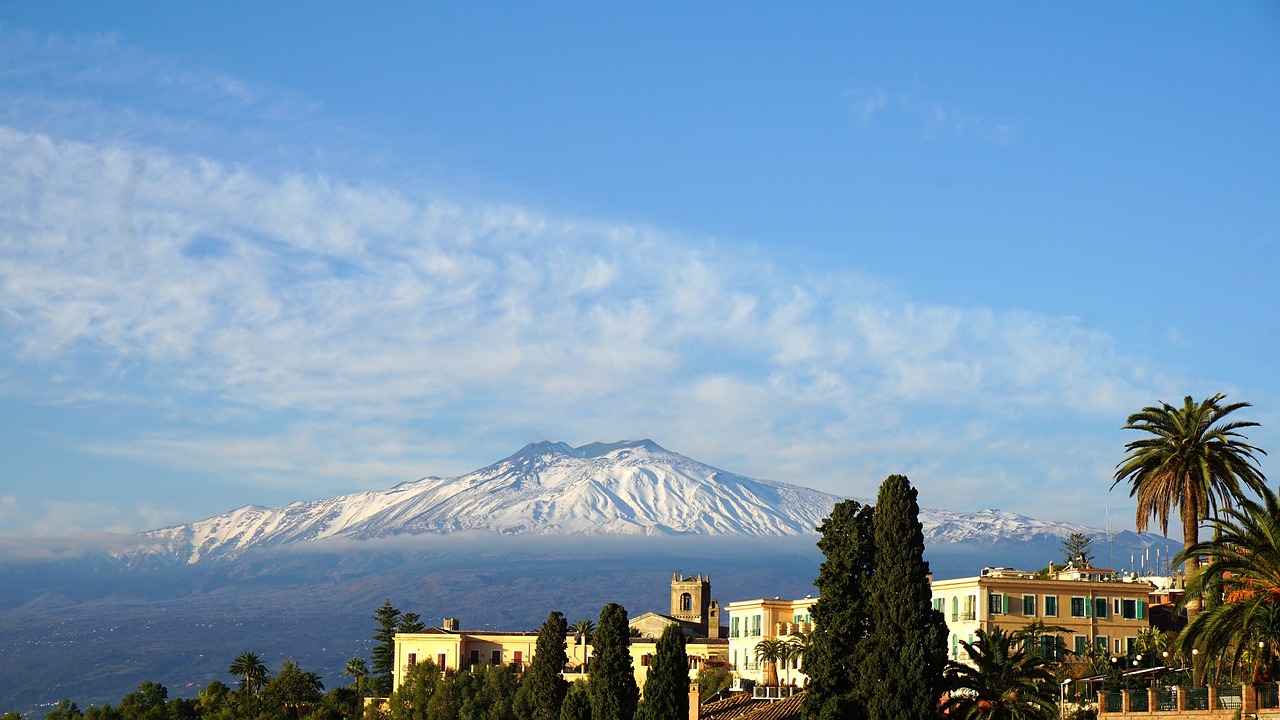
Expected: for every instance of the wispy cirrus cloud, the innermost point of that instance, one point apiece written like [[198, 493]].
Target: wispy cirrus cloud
[[300, 330]]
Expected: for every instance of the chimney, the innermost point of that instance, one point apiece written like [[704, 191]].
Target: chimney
[[695, 702], [450, 624]]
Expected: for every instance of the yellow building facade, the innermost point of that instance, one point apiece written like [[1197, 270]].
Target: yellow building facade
[[451, 648], [751, 621], [1094, 607]]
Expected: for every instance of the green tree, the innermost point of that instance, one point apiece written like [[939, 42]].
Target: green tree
[[386, 623], [542, 689], [614, 693], [1196, 460], [411, 622], [1244, 570], [293, 689], [356, 669], [712, 678], [64, 710], [493, 696], [903, 656], [769, 651], [1002, 683], [841, 617], [148, 702], [252, 673], [12, 715], [212, 698], [666, 688], [577, 704], [411, 699], [1077, 550]]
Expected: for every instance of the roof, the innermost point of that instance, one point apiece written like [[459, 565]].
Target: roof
[[744, 707]]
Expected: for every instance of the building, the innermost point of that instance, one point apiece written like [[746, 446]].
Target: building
[[692, 608], [1094, 607], [752, 621]]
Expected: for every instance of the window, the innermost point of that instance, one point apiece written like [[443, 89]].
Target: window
[[1029, 605], [686, 602], [517, 658], [1131, 609], [644, 660], [1079, 607], [413, 658], [1051, 605], [496, 658], [440, 662], [733, 628], [755, 625], [955, 608], [1119, 646], [970, 608], [955, 647], [997, 604], [939, 604], [1116, 610], [1129, 644], [1100, 642], [1100, 609], [735, 660], [1082, 645]]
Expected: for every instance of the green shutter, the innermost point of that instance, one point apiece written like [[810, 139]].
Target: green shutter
[[1140, 603], [1004, 600], [1088, 607]]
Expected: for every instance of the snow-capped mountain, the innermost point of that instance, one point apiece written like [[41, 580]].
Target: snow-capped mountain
[[623, 488]]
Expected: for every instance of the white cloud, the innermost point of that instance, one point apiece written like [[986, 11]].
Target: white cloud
[[302, 331]]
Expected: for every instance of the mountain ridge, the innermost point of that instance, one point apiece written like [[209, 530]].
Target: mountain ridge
[[626, 488]]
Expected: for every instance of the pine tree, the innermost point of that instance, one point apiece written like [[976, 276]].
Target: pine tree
[[384, 648], [411, 622], [904, 654], [666, 689], [614, 693], [542, 689], [841, 616]]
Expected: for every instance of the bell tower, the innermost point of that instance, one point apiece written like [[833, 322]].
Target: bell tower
[[691, 602]]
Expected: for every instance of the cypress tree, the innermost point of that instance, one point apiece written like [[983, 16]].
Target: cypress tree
[[542, 689], [904, 654], [383, 653], [841, 617], [614, 693], [577, 704], [666, 689]]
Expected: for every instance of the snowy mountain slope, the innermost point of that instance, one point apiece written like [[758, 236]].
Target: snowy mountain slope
[[624, 488]]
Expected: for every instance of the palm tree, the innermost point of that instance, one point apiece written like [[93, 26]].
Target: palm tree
[[1197, 461], [1039, 637], [1002, 683], [357, 669], [770, 651], [800, 642], [584, 629], [248, 666], [1244, 569]]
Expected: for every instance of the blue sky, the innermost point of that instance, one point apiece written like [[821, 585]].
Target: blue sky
[[258, 253]]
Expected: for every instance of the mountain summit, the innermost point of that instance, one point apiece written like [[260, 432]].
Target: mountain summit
[[547, 488]]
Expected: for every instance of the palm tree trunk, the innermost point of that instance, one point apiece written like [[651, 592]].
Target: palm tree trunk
[[1191, 536]]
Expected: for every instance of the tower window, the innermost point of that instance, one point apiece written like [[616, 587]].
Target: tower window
[[686, 602]]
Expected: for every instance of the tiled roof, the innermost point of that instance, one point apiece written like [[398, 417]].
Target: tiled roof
[[744, 707]]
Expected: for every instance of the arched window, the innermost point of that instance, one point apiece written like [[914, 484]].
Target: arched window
[[686, 602]]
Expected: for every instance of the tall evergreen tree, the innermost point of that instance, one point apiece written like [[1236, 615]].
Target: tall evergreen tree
[[387, 619], [542, 689], [666, 689], [577, 704], [841, 616], [411, 622], [614, 693], [901, 663]]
